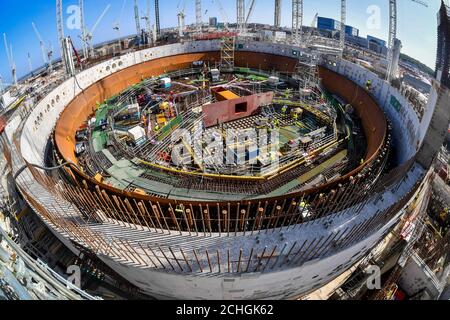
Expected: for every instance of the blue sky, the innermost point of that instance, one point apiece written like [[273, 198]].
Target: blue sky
[[416, 26]]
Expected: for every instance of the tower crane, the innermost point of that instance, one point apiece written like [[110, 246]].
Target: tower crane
[[46, 54], [297, 20], [343, 23], [240, 14], [117, 24], [137, 21], [181, 18], [61, 37], [277, 18], [393, 35], [30, 64], [148, 25], [90, 34], [223, 13], [250, 11], [12, 64], [198, 15], [83, 29], [2, 87], [313, 25]]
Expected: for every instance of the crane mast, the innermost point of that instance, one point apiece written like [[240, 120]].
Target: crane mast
[[30, 64], [83, 29], [12, 64], [157, 21], [343, 23], [297, 20], [147, 22], [250, 11], [277, 19], [240, 15], [137, 20], [198, 15], [60, 27], [45, 53], [223, 13]]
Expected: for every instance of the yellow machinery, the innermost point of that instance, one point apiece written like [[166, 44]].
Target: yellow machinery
[[99, 178]]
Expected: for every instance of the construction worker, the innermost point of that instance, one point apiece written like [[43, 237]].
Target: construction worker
[[287, 93], [368, 85], [284, 111], [295, 116], [276, 122]]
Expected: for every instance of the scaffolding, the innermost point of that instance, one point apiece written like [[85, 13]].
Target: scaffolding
[[227, 50], [307, 74]]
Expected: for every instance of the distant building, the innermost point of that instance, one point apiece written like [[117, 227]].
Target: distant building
[[351, 31], [213, 23], [377, 45], [328, 24], [357, 41], [419, 83]]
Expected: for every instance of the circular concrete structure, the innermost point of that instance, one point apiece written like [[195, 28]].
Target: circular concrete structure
[[267, 247]]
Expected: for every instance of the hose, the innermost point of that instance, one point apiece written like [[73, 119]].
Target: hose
[[22, 169]]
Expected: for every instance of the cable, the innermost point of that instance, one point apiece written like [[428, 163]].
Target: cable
[[22, 169]]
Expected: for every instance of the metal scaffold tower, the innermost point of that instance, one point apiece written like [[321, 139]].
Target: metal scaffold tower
[[227, 50], [343, 23], [297, 21], [277, 20], [307, 72]]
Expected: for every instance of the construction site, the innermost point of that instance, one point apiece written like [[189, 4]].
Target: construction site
[[226, 161]]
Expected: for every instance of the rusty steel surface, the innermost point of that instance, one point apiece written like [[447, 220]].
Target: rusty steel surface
[[79, 110]]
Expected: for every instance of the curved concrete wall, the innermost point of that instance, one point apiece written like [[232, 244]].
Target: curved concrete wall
[[282, 284], [78, 111], [408, 132], [42, 121], [373, 121]]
